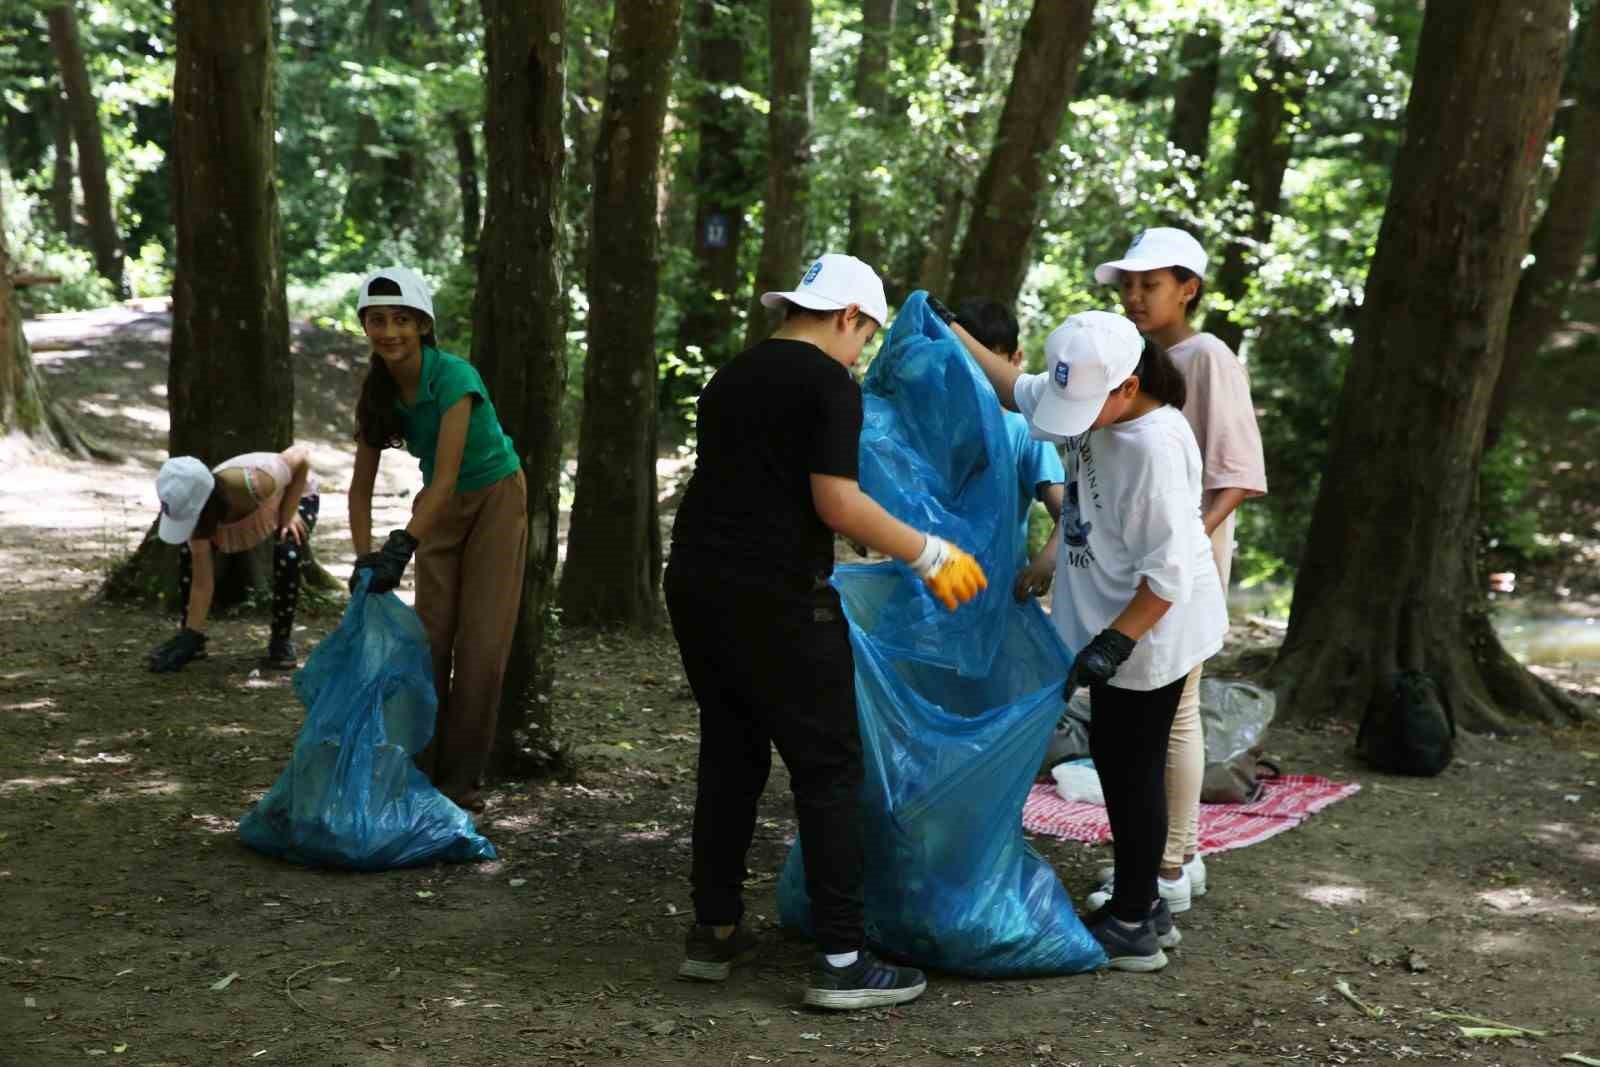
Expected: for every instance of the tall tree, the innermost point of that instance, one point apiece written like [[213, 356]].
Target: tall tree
[[872, 105], [105, 240], [61, 170], [519, 320], [1389, 576], [1561, 236], [1005, 207], [1200, 63], [783, 224], [230, 382], [1261, 157], [455, 120], [614, 543], [723, 184], [950, 186]]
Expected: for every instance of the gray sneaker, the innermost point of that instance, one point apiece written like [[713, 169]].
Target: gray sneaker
[[1167, 933], [1127, 948], [709, 958]]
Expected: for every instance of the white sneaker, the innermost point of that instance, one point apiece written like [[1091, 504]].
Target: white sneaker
[[1196, 870], [1176, 893]]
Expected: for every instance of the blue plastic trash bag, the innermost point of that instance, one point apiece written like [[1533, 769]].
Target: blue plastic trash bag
[[956, 710], [351, 796]]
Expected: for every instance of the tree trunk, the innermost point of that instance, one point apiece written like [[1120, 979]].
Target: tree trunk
[[22, 405], [1200, 57], [723, 187], [519, 332], [994, 255], [1390, 578], [103, 235], [783, 226], [1561, 237], [1260, 159], [950, 187], [61, 169], [230, 382], [872, 106], [466, 180], [613, 559]]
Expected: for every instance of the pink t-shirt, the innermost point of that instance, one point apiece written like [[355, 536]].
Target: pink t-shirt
[[262, 523], [1222, 415]]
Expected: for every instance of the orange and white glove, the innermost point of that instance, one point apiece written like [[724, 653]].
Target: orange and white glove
[[951, 575]]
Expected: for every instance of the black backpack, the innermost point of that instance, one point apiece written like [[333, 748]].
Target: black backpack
[[1411, 730]]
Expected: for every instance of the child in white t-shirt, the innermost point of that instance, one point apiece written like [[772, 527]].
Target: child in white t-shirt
[[1137, 594], [1160, 280]]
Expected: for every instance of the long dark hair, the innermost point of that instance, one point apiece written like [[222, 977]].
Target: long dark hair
[[1159, 376], [211, 515], [378, 424]]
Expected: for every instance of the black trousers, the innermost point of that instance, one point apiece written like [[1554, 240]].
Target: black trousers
[[769, 667], [1128, 732], [287, 559]]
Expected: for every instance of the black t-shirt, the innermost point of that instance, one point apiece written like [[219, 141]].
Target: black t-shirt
[[775, 415]]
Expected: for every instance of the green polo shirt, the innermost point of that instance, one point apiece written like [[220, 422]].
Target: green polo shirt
[[489, 454]]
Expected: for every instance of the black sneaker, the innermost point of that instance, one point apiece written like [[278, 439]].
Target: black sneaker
[[1167, 932], [1128, 948], [866, 983], [281, 655], [709, 958]]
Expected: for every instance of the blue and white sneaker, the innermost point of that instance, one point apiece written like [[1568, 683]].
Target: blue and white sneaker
[[866, 983]]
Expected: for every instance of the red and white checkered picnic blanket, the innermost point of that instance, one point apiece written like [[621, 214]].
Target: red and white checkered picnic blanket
[[1285, 802]]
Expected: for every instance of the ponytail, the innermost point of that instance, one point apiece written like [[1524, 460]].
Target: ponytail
[[1160, 377], [378, 424]]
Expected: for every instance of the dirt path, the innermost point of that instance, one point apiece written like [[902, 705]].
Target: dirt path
[[126, 900]]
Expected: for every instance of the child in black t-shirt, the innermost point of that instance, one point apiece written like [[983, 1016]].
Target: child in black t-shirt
[[761, 631]]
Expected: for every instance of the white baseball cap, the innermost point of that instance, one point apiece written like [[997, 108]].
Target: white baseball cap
[[413, 291], [1085, 358], [1154, 249], [184, 485], [833, 283]]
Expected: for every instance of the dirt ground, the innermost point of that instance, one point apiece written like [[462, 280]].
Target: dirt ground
[[134, 926]]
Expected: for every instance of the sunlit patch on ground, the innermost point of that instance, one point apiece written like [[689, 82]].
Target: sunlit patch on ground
[[42, 705], [17, 785], [214, 824], [1335, 896], [1524, 901]]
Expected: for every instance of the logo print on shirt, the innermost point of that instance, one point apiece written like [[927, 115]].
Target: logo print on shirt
[[1061, 375], [811, 275], [1074, 531]]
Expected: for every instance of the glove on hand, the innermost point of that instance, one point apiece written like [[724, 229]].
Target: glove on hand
[[950, 574], [387, 564], [1099, 660], [186, 645], [937, 306]]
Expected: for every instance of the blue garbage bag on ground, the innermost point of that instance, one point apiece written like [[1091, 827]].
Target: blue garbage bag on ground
[[351, 795], [956, 709]]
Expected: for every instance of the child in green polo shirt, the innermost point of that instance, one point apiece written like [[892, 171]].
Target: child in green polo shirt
[[468, 526]]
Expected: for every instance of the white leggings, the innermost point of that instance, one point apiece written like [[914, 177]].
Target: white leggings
[[1186, 748]]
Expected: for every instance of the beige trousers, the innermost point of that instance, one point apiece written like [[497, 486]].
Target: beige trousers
[[469, 587], [1186, 748]]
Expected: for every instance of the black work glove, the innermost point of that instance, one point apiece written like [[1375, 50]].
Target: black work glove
[[186, 645], [1098, 660], [937, 306], [387, 564]]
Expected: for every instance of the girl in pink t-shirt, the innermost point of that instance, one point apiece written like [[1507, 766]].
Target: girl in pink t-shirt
[[234, 507], [1161, 279]]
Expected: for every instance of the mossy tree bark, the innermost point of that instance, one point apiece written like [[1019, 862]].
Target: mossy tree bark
[[519, 333], [1389, 579], [613, 566], [1005, 207]]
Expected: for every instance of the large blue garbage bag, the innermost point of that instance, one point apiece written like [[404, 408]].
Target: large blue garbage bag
[[956, 710], [351, 796]]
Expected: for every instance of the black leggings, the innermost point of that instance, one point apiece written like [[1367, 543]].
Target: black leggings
[[1128, 732], [287, 559]]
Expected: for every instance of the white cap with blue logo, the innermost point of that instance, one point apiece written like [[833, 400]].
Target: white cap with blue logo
[[833, 283], [184, 485], [1085, 357]]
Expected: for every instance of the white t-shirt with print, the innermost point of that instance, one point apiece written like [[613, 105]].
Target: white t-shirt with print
[[1132, 511]]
